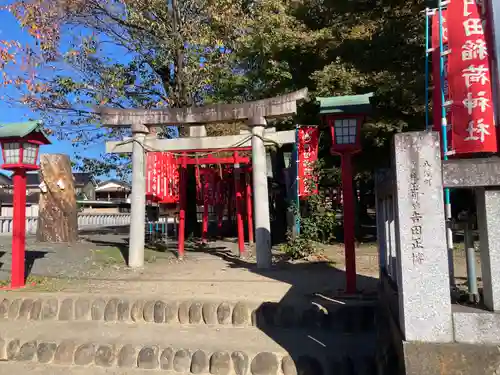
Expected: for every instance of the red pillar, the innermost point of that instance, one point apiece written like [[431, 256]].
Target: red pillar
[[182, 211], [349, 235], [19, 230], [204, 221], [238, 198], [220, 205], [249, 207]]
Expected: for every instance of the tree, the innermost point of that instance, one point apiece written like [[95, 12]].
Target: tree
[[57, 219], [122, 53]]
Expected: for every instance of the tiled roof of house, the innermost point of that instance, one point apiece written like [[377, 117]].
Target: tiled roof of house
[[7, 198], [81, 178], [5, 180]]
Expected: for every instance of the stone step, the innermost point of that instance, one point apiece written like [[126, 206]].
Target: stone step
[[33, 368], [192, 349], [345, 317]]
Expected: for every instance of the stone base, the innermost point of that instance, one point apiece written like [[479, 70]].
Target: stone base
[[474, 326], [398, 357], [451, 359]]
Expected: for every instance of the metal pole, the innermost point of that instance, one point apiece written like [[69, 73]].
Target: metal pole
[[494, 50], [427, 124], [471, 263], [444, 137], [297, 184]]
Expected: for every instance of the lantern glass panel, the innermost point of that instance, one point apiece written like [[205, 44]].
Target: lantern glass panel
[[12, 152], [345, 131], [29, 153]]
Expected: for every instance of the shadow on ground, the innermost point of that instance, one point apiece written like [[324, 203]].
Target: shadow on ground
[[323, 330]]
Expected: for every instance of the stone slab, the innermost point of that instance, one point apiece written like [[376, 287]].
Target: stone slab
[[467, 173], [450, 359], [423, 277], [477, 327], [488, 216], [185, 144]]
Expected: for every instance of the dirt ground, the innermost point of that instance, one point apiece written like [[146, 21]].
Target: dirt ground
[[97, 264]]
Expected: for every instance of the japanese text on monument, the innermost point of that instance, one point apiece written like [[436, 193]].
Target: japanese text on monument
[[416, 216]]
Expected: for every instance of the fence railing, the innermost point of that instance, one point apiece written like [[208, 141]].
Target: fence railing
[[85, 220]]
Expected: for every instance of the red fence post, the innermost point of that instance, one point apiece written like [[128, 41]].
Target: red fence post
[[238, 198], [182, 211], [249, 207], [204, 221]]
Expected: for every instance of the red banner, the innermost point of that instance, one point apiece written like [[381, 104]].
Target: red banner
[[308, 138], [162, 177], [436, 73], [469, 80]]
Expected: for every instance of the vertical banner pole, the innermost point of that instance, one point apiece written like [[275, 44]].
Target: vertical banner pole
[[444, 138], [427, 124]]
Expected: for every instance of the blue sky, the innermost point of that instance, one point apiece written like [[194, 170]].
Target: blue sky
[[10, 30]]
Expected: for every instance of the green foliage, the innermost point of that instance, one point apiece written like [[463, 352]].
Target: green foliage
[[250, 50], [317, 217], [298, 247]]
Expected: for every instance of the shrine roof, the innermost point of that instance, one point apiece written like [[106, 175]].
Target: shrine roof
[[348, 104], [21, 129]]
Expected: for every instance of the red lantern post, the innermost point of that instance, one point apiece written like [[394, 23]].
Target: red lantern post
[[20, 146], [345, 115]]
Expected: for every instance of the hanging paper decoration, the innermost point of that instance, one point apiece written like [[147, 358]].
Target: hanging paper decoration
[[162, 177], [308, 138]]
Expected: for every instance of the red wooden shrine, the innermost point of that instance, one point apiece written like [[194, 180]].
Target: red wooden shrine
[[221, 182]]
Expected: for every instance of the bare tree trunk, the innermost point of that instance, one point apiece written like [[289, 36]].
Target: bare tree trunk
[[57, 219]]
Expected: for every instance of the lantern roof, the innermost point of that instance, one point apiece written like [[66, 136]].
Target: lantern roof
[[23, 129], [347, 104]]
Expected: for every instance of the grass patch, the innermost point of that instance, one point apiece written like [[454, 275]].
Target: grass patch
[[109, 256], [112, 256], [40, 284]]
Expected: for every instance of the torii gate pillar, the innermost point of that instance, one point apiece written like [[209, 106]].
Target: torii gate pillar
[[138, 202], [260, 193]]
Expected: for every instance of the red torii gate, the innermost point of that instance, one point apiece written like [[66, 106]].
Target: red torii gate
[[174, 169]]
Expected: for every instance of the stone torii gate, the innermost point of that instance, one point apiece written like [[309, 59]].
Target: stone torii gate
[[255, 113]]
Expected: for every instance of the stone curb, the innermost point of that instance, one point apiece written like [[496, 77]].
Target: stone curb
[[170, 359], [341, 318]]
